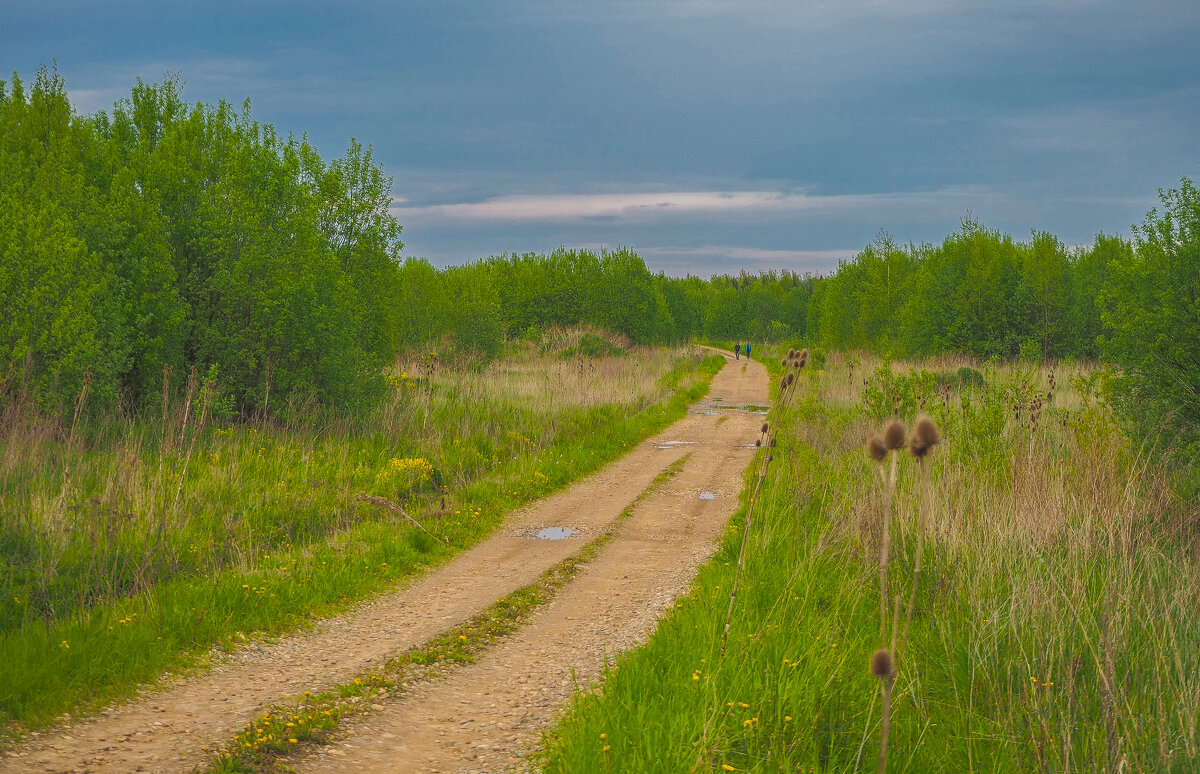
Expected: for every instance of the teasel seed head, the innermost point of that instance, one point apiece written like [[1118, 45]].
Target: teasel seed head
[[924, 437], [882, 664], [774, 440], [758, 443], [791, 354], [893, 436], [765, 427], [876, 450]]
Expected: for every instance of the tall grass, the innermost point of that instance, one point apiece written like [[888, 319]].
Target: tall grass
[[1056, 614], [140, 543]]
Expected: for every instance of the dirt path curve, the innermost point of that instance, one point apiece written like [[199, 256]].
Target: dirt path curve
[[485, 716], [165, 730]]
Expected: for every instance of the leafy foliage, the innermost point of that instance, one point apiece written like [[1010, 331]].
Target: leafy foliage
[[1152, 306], [188, 236]]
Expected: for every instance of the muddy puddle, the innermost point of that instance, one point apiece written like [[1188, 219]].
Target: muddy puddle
[[674, 444], [556, 533]]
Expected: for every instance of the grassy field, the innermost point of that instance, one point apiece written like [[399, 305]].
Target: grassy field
[[1052, 623], [132, 546]]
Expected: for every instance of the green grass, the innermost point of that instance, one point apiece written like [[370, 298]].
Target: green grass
[[151, 552], [1056, 624]]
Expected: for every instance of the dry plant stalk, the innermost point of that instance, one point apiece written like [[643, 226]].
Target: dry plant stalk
[[924, 438], [394, 508], [796, 361], [878, 449], [68, 456], [737, 573], [166, 404], [80, 402], [208, 391], [883, 666], [883, 662]]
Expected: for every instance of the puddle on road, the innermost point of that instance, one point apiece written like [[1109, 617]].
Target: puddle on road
[[708, 495], [557, 533], [673, 444], [715, 409]]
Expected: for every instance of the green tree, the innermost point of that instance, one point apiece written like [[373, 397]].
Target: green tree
[[474, 319], [60, 307], [1090, 269], [1047, 273], [1152, 306], [883, 277]]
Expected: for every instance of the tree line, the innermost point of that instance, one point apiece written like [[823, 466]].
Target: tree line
[[170, 237], [167, 237], [979, 292]]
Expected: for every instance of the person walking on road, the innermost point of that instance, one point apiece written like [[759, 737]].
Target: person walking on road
[[747, 350], [737, 351]]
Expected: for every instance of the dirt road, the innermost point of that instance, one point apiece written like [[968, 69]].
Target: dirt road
[[481, 715]]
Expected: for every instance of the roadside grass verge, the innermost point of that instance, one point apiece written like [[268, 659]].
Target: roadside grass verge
[[133, 554], [1056, 616], [290, 730]]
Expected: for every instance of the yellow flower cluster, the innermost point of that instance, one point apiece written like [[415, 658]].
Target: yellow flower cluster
[[266, 733], [397, 381], [413, 469]]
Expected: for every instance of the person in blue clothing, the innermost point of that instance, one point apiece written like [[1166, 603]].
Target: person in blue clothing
[[747, 350], [737, 351]]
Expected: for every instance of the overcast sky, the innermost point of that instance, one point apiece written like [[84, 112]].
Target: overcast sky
[[709, 136]]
